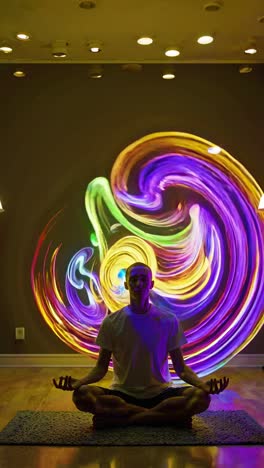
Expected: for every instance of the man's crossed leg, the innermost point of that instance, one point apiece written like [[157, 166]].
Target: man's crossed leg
[[110, 410]]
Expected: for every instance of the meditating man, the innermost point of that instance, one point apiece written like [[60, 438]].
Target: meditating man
[[139, 337]]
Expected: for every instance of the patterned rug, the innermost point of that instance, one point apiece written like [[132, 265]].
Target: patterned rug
[[72, 428]]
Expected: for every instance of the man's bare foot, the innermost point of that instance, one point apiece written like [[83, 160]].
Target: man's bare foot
[[151, 418], [111, 406], [101, 421]]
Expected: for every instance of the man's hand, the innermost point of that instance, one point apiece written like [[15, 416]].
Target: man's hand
[[67, 383], [215, 386]]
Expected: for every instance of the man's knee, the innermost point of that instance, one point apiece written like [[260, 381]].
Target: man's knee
[[84, 399], [197, 401], [79, 393], [85, 390], [203, 399]]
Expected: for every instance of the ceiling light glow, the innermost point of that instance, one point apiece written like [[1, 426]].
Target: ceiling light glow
[[95, 49], [245, 69], [172, 52], [59, 54], [145, 40], [95, 71], [168, 76], [6, 49], [251, 51], [205, 40], [19, 73], [59, 49], [95, 46], [22, 36]]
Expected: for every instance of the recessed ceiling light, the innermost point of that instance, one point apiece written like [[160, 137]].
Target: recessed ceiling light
[[261, 203], [172, 52], [145, 40], [22, 36], [214, 149], [59, 49], [250, 51], [95, 47], [95, 71], [19, 73], [245, 69], [132, 67], [6, 49], [205, 40], [87, 4], [59, 54], [213, 6], [168, 75]]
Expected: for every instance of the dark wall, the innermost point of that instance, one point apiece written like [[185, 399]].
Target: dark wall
[[59, 129]]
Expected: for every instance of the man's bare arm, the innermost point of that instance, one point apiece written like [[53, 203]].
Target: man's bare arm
[[189, 376], [101, 368], [96, 374], [183, 371]]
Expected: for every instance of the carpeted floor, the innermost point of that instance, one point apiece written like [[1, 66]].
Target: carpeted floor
[[66, 428]]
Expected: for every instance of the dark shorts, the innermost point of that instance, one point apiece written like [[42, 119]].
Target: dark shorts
[[147, 402]]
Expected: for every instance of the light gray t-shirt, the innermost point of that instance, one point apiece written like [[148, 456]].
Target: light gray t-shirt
[[140, 344]]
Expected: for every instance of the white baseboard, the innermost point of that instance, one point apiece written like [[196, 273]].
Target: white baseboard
[[81, 360]]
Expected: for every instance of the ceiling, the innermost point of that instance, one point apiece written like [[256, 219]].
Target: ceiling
[[118, 23]]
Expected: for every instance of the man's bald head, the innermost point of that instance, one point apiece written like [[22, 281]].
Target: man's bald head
[[137, 264]]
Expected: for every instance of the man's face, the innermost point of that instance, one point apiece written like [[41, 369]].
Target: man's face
[[139, 281]]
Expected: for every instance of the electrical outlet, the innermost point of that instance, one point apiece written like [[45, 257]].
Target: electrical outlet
[[20, 333]]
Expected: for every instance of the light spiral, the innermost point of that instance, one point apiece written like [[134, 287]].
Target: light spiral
[[193, 217]]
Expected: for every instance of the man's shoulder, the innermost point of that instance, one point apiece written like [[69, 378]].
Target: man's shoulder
[[165, 313], [115, 316]]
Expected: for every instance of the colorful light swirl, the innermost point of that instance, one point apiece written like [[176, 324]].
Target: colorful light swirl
[[193, 218]]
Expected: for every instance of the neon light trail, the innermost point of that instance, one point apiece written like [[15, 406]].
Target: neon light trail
[[193, 217]]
